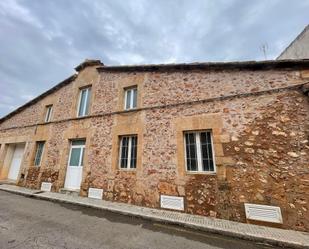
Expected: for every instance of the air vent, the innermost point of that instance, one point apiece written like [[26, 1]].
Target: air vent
[[95, 193], [172, 202], [263, 213], [46, 186]]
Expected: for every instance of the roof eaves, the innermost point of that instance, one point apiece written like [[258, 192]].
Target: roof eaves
[[238, 65]]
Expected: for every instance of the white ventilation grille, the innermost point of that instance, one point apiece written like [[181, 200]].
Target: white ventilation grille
[[172, 202], [95, 193], [263, 213], [46, 186]]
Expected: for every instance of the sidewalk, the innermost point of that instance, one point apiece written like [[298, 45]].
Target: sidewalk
[[273, 236]]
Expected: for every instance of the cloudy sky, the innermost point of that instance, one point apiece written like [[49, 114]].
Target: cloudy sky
[[41, 41]]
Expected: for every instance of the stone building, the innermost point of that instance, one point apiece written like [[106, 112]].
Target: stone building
[[299, 48], [213, 139]]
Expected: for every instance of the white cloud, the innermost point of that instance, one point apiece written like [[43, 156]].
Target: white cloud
[[12, 8]]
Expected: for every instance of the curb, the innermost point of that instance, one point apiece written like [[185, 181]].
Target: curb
[[166, 220]]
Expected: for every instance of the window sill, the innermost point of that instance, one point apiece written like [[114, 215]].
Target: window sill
[[131, 110], [81, 117], [201, 173], [127, 170]]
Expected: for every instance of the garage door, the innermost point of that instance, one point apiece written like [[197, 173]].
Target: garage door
[[16, 161]]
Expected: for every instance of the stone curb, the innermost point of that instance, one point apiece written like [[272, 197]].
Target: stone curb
[[168, 220]]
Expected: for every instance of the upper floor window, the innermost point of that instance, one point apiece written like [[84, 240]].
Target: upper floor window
[[130, 98], [84, 102], [39, 153], [128, 152], [48, 113], [199, 153]]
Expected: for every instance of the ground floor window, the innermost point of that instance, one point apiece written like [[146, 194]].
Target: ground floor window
[[199, 151], [38, 153], [128, 152]]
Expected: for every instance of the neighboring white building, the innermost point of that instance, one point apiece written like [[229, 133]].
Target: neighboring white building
[[299, 48]]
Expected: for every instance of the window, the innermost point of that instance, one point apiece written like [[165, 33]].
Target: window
[[128, 152], [77, 153], [130, 98], [49, 110], [39, 153], [84, 101], [198, 151]]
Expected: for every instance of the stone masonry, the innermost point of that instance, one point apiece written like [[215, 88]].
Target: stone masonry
[[258, 113]]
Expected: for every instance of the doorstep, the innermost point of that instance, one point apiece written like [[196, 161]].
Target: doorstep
[[67, 191], [273, 236]]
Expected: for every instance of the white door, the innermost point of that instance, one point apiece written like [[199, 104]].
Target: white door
[[74, 173], [16, 162]]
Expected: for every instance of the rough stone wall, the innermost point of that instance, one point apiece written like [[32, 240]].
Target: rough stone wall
[[158, 89], [269, 145], [161, 88], [272, 159], [264, 137]]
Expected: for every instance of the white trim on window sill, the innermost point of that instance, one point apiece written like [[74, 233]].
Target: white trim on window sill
[[82, 117], [126, 169], [131, 109], [201, 172]]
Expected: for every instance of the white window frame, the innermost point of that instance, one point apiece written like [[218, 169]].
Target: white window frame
[[82, 147], [131, 89], [36, 152], [129, 152], [49, 112], [86, 101], [199, 153]]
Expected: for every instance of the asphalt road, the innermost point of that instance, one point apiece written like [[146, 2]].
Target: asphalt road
[[31, 223]]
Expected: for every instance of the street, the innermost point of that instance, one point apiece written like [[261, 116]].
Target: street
[[31, 223]]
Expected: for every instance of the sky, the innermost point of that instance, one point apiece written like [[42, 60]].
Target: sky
[[41, 41]]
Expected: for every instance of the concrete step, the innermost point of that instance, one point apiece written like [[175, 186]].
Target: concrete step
[[69, 192]]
